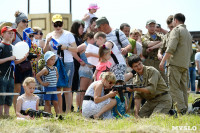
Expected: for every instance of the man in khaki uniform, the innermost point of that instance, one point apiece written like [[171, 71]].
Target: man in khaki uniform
[[163, 47], [150, 43], [178, 53], [155, 91]]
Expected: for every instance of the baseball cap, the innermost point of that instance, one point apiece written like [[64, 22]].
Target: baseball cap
[[7, 28], [57, 17], [158, 25], [100, 21], [93, 6], [151, 21], [48, 55]]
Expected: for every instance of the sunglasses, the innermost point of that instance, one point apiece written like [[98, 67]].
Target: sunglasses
[[30, 36], [58, 24], [39, 33], [25, 21]]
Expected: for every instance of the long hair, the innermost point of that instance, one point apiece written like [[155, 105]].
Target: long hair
[[75, 26]]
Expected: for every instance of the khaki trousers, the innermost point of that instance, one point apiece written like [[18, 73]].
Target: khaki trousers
[[178, 85], [160, 104]]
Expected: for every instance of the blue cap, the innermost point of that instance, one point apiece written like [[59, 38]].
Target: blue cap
[[48, 55]]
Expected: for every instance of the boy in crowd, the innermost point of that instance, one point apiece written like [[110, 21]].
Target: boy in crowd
[[6, 72]]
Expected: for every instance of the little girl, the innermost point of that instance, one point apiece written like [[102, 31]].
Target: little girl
[[87, 17], [28, 99], [119, 111], [104, 64], [50, 74]]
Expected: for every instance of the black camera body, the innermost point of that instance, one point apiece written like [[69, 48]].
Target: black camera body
[[32, 56]]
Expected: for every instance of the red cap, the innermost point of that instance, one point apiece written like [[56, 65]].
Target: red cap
[[7, 28]]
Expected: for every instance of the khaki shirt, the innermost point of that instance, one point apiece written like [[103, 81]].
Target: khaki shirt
[[165, 40], [180, 46], [152, 80], [146, 39]]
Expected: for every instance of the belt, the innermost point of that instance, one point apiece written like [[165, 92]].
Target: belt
[[86, 97], [162, 94]]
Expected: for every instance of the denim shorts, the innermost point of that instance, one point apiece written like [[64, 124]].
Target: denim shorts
[[69, 67], [6, 85], [85, 71], [50, 97]]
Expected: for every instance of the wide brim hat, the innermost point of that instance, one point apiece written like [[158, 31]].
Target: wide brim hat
[[93, 6], [48, 55]]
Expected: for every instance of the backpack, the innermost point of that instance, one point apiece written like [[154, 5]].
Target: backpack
[[63, 77], [196, 103], [117, 35]]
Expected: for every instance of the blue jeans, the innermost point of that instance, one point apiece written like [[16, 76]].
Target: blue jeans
[[192, 78]]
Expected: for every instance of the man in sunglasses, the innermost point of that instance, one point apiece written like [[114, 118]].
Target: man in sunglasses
[[155, 90]]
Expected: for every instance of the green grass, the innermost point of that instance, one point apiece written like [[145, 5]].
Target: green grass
[[74, 122]]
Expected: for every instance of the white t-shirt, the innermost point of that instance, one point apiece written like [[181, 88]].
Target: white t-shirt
[[139, 48], [122, 37], [65, 39], [197, 58], [87, 22], [118, 55]]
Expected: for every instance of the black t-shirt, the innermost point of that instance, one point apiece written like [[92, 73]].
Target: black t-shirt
[[5, 51]]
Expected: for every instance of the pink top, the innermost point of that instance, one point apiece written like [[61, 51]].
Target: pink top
[[103, 67]]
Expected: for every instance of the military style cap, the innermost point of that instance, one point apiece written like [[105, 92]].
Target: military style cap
[[100, 21], [151, 21], [158, 25]]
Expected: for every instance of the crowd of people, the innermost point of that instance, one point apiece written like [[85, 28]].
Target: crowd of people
[[159, 63]]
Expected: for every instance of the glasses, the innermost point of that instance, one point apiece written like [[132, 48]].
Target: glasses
[[25, 21], [30, 36], [58, 24]]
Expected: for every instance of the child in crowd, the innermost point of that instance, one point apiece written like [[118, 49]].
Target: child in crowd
[[27, 100], [50, 74], [104, 64], [88, 16], [118, 62], [119, 111], [6, 72]]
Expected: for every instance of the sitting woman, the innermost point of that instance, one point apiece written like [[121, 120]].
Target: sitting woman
[[28, 100], [96, 104]]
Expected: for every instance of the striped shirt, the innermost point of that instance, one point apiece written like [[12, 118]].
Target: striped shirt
[[51, 77], [122, 37]]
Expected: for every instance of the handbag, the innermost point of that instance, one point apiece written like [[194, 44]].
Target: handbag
[[25, 66], [63, 77]]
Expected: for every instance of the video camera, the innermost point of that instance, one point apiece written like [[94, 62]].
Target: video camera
[[120, 89], [32, 56], [36, 113]]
